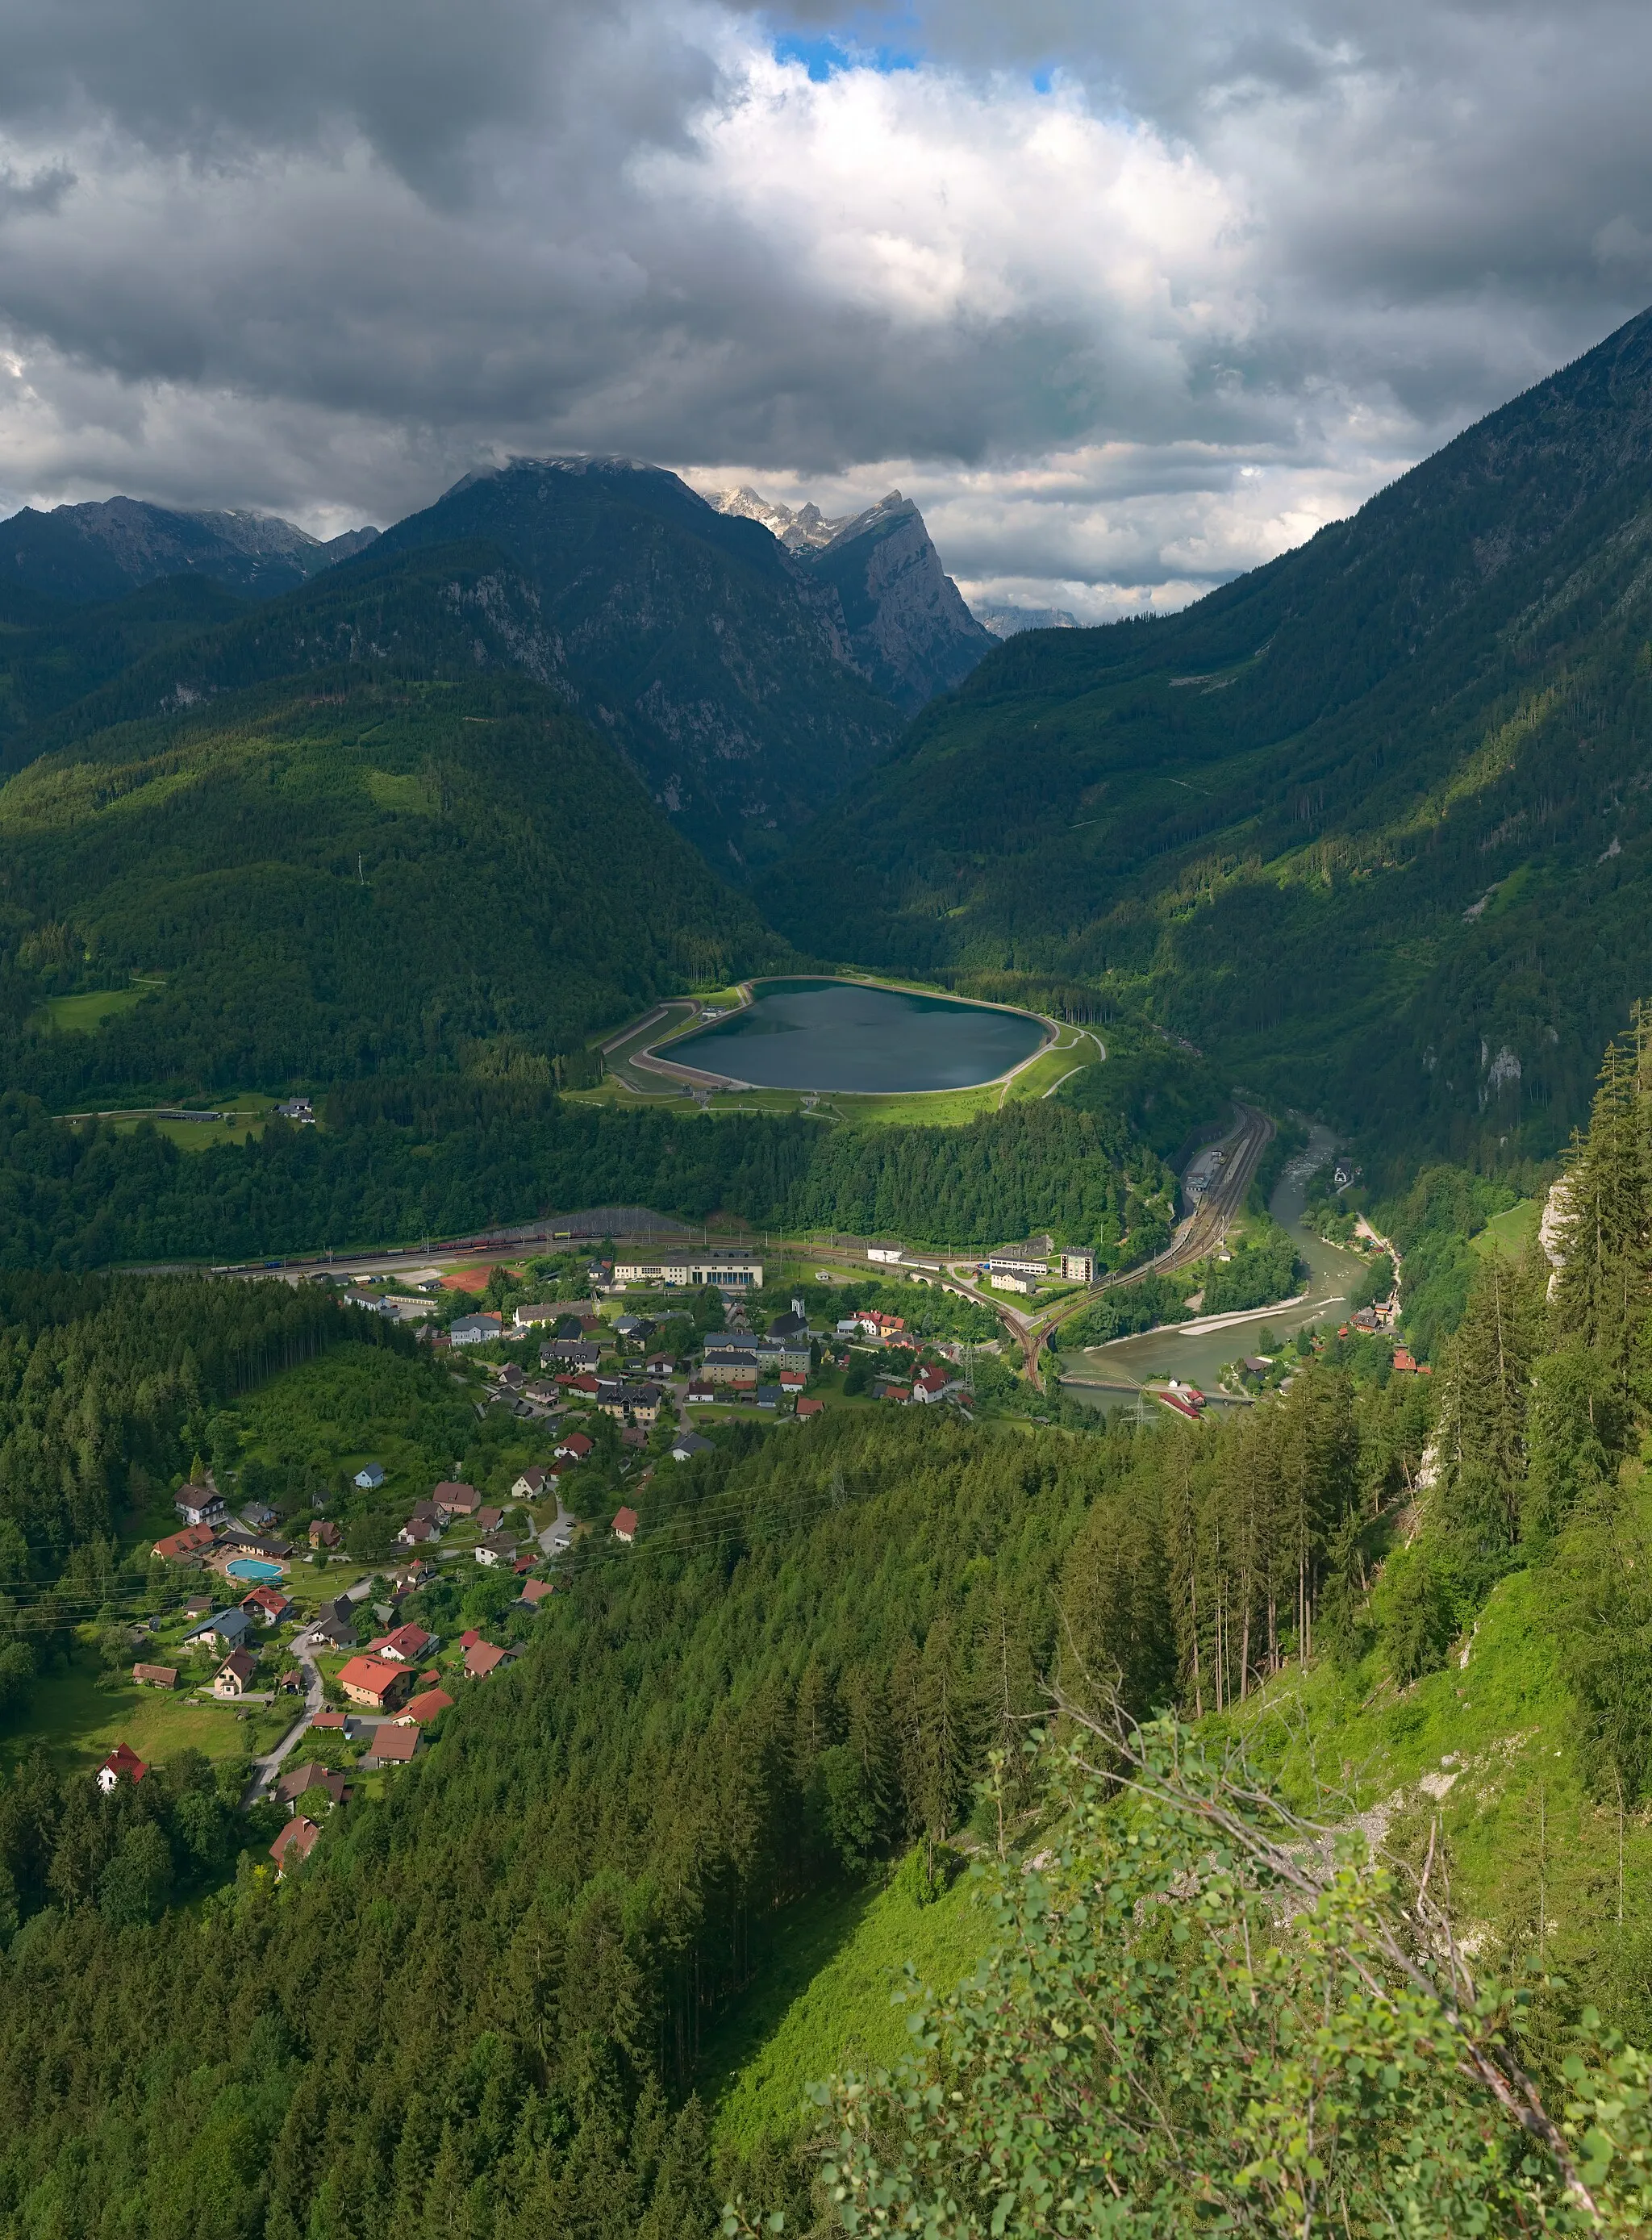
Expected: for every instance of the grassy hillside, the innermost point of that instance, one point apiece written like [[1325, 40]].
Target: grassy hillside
[[1369, 825], [832, 1998], [346, 875]]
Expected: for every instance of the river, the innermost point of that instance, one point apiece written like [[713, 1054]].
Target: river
[[1108, 1376]]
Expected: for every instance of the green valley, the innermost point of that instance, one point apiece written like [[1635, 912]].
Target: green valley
[[1368, 825]]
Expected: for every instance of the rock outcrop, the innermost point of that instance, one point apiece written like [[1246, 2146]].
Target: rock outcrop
[[909, 634]]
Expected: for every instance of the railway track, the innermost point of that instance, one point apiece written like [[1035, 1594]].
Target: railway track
[[1198, 1235]]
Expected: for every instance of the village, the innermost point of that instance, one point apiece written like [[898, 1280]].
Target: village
[[338, 1631]]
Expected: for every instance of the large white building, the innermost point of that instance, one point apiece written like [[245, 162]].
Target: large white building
[[730, 1271]]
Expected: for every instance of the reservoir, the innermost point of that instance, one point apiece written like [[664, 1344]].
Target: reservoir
[[1108, 1376], [833, 1035]]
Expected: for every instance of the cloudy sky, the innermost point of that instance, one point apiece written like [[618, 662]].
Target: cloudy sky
[[1128, 296]]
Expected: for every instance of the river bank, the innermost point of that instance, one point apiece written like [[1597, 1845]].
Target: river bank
[[1108, 1377]]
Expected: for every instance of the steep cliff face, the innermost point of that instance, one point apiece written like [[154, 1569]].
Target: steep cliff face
[[909, 632], [719, 663], [82, 553]]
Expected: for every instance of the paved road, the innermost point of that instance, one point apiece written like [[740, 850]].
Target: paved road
[[266, 1768], [303, 1648]]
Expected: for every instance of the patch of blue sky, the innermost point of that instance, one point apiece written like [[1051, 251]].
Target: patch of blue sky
[[828, 54], [826, 57]]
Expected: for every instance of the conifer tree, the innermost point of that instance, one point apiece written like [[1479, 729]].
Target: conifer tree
[[1601, 1294]]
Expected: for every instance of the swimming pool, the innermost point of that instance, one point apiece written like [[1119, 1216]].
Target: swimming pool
[[252, 1567]]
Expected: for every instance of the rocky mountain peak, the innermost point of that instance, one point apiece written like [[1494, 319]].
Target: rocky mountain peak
[[909, 632]]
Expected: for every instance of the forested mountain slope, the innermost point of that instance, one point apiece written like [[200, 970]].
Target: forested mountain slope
[[1373, 823], [718, 662], [52, 654], [482, 2002], [348, 873]]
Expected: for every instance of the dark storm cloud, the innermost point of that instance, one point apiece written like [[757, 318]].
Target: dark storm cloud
[[1233, 268]]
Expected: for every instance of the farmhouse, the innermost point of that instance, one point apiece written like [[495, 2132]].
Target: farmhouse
[[154, 1675]]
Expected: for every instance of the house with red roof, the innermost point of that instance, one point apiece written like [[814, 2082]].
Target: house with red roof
[[425, 1709], [624, 1525], [454, 1498], [180, 1547], [267, 1603], [409, 1645], [574, 1444], [294, 1844], [482, 1658], [122, 1763], [811, 1407], [378, 1685]]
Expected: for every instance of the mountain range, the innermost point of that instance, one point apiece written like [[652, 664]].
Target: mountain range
[[745, 686], [85, 553], [1371, 825]]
